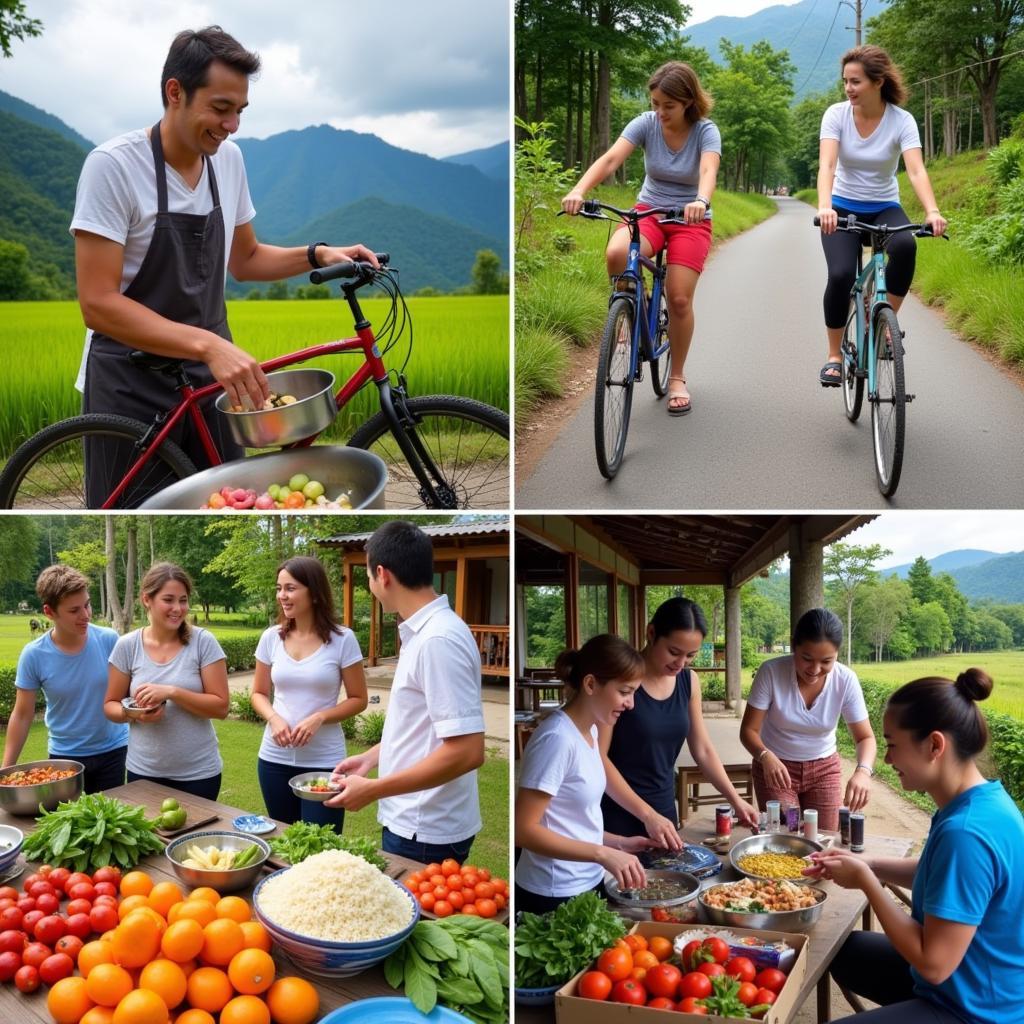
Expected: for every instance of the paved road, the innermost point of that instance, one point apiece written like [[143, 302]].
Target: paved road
[[764, 435]]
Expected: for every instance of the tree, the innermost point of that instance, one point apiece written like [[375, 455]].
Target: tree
[[931, 628], [922, 585], [488, 277], [763, 619], [121, 612], [278, 290], [881, 606], [850, 566], [947, 593], [19, 539], [15, 278], [16, 24]]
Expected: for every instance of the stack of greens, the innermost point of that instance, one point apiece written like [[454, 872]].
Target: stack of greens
[[302, 839], [551, 948]]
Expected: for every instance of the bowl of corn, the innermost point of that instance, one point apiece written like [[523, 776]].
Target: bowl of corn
[[774, 855]]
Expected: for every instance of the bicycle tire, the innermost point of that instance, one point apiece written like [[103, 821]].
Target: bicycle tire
[[852, 384], [473, 463], [48, 470], [662, 366], [613, 395], [889, 403]]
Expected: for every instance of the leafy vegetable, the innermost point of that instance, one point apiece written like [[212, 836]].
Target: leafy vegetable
[[724, 999], [303, 838], [91, 832], [551, 948], [459, 961]]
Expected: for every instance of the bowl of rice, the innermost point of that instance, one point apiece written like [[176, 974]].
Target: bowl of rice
[[334, 914]]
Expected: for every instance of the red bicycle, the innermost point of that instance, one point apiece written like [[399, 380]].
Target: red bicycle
[[442, 451]]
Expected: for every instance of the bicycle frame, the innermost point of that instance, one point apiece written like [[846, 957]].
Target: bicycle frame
[[874, 268], [645, 323]]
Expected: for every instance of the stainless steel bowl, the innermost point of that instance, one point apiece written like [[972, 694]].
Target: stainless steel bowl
[[774, 920], [135, 711], [296, 782], [339, 468], [26, 799], [313, 410], [773, 842], [690, 883], [223, 881]]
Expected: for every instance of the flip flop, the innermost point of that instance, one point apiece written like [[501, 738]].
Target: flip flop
[[826, 379], [678, 410]]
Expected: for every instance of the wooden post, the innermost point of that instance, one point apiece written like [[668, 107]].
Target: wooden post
[[461, 586], [374, 612], [572, 594], [733, 646], [348, 604]]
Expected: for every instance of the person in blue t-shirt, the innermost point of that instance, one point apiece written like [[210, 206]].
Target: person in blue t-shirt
[[959, 956], [69, 664]]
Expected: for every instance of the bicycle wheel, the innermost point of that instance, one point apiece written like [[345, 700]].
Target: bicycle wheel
[[48, 470], [613, 396], [852, 384], [889, 404], [662, 366], [467, 442]]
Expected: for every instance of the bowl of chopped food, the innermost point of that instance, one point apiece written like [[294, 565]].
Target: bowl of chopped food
[[663, 889], [11, 839], [779, 905], [24, 787], [774, 855], [313, 786], [334, 914], [136, 711], [301, 404], [225, 861]]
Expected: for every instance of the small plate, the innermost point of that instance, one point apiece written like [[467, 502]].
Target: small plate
[[255, 824], [298, 781], [13, 871]]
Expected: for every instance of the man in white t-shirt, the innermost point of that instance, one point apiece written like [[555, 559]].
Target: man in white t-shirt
[[161, 215], [433, 739]]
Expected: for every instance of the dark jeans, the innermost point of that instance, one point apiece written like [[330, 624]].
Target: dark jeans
[[208, 788], [533, 903], [102, 771], [284, 805], [869, 966], [425, 853]]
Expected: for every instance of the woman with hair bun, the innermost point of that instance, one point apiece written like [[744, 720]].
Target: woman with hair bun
[[640, 752], [789, 725], [565, 848], [959, 956]]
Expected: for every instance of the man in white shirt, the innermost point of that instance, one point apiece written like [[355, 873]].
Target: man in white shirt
[[433, 739], [160, 216]]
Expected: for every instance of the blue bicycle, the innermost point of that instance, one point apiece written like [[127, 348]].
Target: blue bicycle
[[872, 351]]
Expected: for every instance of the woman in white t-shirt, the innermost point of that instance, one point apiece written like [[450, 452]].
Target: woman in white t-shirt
[[559, 826], [861, 143], [790, 724], [307, 657]]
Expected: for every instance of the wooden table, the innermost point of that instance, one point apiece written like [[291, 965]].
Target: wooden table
[[334, 992], [843, 910]]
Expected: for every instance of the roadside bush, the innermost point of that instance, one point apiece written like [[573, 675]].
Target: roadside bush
[[371, 726], [350, 727], [240, 650], [241, 707]]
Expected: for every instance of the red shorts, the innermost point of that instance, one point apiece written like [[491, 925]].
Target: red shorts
[[815, 784], [687, 244]]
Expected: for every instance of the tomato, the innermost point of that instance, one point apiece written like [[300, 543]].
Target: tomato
[[457, 900], [660, 1003], [690, 1005], [638, 974], [594, 985], [31, 880], [628, 991], [712, 970], [78, 907], [74, 879], [717, 947], [11, 918], [483, 890], [38, 888], [57, 878], [747, 993], [81, 891], [49, 929], [771, 979], [107, 874], [25, 904], [5, 904], [70, 944], [8, 892], [102, 918], [741, 967], [616, 962], [764, 995], [696, 985], [35, 953], [110, 901], [45, 870], [663, 980], [692, 955], [28, 922], [80, 925], [440, 892], [455, 882], [437, 879], [26, 979], [486, 908], [485, 875], [55, 967], [470, 878], [425, 886], [450, 866], [499, 901], [10, 961], [469, 909], [442, 908], [427, 900], [12, 940], [105, 889], [48, 903], [432, 869]]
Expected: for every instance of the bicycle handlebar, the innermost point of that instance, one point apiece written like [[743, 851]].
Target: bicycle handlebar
[[592, 210], [348, 268], [850, 223]]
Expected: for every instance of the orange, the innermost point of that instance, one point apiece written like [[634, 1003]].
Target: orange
[[108, 984], [245, 1010], [136, 883], [130, 903], [158, 919], [195, 1017], [163, 896], [172, 914], [222, 939], [235, 908], [188, 966], [209, 989], [645, 959], [204, 892], [635, 942], [256, 936], [93, 953], [141, 1007], [98, 1015], [166, 979], [293, 1001], [136, 939], [68, 1001], [197, 910], [251, 971], [660, 946], [182, 941]]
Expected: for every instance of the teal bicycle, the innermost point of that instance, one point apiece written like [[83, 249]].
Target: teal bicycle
[[872, 351]]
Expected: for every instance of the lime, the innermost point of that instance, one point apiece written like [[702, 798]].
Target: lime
[[298, 481], [173, 819], [313, 489], [170, 804]]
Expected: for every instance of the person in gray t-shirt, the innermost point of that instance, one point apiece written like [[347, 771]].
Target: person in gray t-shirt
[[682, 150], [180, 671]]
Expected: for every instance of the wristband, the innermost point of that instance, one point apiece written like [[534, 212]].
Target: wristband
[[867, 768], [704, 200], [760, 757], [311, 254]]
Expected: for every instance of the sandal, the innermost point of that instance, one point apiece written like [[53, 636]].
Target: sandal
[[826, 379], [682, 409]]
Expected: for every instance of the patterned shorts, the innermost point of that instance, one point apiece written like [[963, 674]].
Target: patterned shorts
[[814, 784]]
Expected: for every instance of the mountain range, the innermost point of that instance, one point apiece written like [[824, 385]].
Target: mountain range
[[316, 182], [978, 573]]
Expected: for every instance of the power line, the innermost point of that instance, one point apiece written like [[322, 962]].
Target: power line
[[976, 64], [801, 28], [820, 52]]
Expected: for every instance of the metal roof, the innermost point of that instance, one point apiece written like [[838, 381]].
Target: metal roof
[[477, 528]]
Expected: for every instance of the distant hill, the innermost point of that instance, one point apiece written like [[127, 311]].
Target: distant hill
[[492, 161], [949, 562], [12, 105], [815, 35], [1000, 578]]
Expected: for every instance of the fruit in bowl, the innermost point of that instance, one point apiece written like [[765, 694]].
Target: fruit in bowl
[[299, 492]]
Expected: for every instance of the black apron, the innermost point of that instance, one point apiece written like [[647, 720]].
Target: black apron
[[181, 278]]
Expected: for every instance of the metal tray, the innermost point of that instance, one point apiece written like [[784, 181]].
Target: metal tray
[[624, 896]]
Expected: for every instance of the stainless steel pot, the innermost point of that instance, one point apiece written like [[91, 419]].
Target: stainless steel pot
[[26, 799]]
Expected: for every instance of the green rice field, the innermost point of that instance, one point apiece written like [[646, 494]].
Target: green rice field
[[461, 347]]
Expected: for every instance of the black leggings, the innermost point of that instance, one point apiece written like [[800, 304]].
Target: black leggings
[[534, 903], [868, 965], [841, 256]]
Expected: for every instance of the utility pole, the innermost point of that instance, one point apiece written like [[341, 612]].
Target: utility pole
[[857, 7]]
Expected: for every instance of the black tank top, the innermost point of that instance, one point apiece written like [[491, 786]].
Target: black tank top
[[645, 744]]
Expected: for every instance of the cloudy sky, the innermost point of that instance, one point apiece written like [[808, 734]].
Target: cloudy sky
[[430, 77]]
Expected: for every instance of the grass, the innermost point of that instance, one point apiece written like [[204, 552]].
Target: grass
[[239, 743], [461, 347]]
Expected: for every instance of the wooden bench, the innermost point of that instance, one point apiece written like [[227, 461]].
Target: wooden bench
[[690, 777]]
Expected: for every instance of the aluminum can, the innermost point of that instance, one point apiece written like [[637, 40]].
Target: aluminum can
[[811, 824], [773, 807], [844, 825], [857, 833], [793, 817], [723, 820]]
